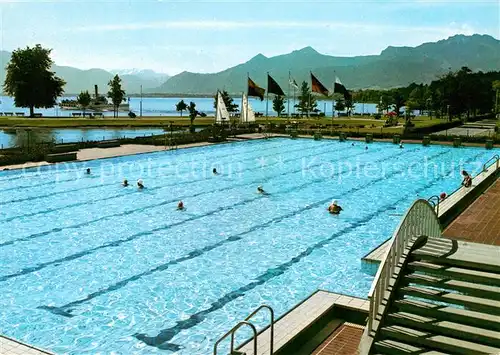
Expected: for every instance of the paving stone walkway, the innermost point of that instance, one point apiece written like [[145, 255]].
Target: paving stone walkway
[[480, 222]]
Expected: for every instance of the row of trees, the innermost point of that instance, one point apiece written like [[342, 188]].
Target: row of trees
[[31, 82], [455, 94]]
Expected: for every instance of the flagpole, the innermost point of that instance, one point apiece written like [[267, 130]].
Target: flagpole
[[246, 108], [333, 106], [288, 96], [267, 96]]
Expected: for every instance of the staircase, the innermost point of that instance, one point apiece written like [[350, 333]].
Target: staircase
[[444, 303], [434, 295]]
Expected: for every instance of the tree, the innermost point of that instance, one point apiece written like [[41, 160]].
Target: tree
[[349, 104], [496, 88], [398, 101], [384, 103], [116, 93], [228, 101], [30, 81], [279, 104], [181, 106], [84, 100], [307, 102], [339, 106], [192, 115]]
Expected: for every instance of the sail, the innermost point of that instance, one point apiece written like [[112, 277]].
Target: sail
[[222, 114], [247, 114]]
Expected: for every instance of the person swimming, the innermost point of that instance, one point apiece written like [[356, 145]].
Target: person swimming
[[352, 144], [180, 206], [214, 171], [140, 184], [334, 208], [401, 145], [366, 148], [88, 171], [260, 190], [125, 183]]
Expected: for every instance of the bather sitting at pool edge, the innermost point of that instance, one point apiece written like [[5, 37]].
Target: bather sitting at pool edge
[[334, 208]]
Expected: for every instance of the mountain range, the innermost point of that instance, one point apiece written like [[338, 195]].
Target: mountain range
[[393, 67], [78, 80]]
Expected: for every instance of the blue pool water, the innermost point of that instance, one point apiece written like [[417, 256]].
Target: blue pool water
[[88, 266]]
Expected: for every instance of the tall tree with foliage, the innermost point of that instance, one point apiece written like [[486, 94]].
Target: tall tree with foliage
[[279, 104], [385, 103], [398, 101], [192, 115], [84, 100], [30, 81], [349, 105], [228, 101], [181, 106], [307, 102], [116, 93], [339, 106]]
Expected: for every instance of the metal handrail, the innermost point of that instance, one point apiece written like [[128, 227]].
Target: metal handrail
[[420, 219], [435, 203], [496, 158], [271, 313], [232, 331]]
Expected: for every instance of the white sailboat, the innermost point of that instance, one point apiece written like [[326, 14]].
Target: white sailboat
[[221, 114], [247, 113]]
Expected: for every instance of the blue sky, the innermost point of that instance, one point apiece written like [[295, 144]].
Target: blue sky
[[209, 36]]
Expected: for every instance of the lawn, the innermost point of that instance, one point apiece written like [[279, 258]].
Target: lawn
[[340, 124]]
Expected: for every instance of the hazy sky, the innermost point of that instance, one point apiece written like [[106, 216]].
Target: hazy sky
[[208, 36]]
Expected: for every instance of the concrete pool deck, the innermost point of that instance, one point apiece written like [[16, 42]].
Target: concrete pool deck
[[9, 346]]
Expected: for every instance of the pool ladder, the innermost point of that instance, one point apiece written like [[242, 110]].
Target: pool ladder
[[254, 331]]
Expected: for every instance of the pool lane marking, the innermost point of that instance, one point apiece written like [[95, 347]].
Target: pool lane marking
[[115, 243], [63, 310], [73, 178], [160, 341], [142, 160], [114, 183], [149, 189], [37, 235]]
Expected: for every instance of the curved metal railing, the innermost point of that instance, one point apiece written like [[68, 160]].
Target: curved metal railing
[[420, 220], [254, 330], [496, 158], [232, 331], [434, 201]]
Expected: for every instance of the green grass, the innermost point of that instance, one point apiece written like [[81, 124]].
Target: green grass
[[343, 124]]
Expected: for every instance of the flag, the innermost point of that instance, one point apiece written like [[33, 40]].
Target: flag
[[316, 86], [255, 90], [341, 89], [273, 87], [293, 83]]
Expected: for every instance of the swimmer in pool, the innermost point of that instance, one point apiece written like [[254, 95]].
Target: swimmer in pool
[[125, 183], [180, 206], [334, 208], [88, 171], [140, 184]]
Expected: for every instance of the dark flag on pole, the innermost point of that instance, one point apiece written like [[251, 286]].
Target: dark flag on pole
[[255, 90], [273, 87], [316, 86], [341, 89]]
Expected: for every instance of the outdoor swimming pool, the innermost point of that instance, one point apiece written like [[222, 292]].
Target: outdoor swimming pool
[[88, 266]]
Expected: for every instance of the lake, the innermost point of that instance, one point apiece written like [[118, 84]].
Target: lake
[[165, 106], [20, 137]]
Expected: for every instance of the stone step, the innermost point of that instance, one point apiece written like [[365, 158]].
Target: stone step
[[458, 273], [453, 314], [470, 302], [469, 288], [436, 342], [460, 254], [444, 327], [393, 347]]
